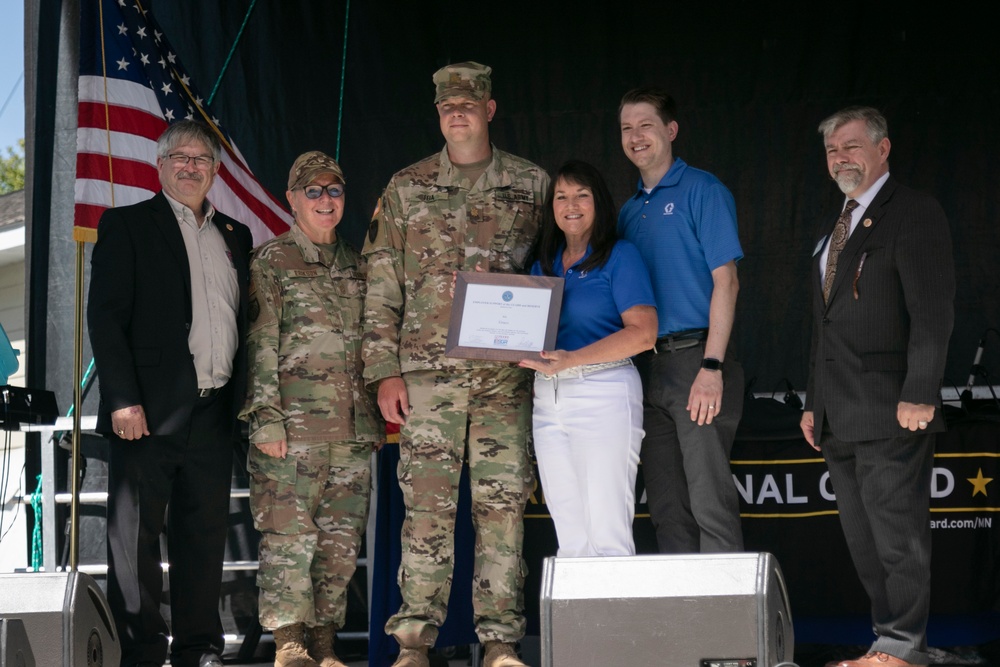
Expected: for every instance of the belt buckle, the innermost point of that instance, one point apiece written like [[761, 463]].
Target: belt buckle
[[204, 393]]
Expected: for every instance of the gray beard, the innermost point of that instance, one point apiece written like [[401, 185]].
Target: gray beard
[[848, 180]]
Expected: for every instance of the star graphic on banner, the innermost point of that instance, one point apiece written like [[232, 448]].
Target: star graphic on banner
[[145, 59], [122, 29], [157, 35], [169, 115], [166, 89], [123, 64], [163, 63], [979, 483], [121, 3], [171, 57], [185, 80], [141, 32]]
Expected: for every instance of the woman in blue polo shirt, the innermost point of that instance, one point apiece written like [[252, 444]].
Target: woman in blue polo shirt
[[588, 398]]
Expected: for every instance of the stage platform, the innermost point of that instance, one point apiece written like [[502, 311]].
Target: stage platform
[[806, 655]]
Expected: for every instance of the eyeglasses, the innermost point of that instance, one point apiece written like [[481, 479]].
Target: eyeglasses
[[202, 161], [316, 191]]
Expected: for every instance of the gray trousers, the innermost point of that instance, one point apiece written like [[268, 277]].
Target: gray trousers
[[693, 502]]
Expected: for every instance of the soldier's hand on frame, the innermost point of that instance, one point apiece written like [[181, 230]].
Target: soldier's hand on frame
[[129, 423], [393, 400], [277, 449]]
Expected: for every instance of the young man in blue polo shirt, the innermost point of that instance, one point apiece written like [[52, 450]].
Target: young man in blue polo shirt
[[683, 221]]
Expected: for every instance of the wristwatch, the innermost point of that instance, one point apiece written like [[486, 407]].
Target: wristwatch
[[710, 364]]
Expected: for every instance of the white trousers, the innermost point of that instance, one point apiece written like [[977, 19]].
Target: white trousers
[[588, 431]]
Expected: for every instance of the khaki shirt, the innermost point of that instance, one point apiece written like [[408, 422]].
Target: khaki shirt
[[304, 344], [431, 222]]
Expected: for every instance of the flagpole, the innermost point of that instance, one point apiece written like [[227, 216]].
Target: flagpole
[[74, 506]]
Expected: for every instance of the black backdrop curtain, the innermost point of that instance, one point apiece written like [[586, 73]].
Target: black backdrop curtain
[[752, 81]]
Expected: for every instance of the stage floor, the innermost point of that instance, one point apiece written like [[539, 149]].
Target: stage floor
[[805, 656]]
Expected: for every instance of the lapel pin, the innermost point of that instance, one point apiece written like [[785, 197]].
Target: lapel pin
[[230, 227], [867, 222]]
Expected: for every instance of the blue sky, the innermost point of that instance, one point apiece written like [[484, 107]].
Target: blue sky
[[11, 69]]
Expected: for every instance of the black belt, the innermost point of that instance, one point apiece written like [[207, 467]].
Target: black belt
[[206, 393], [681, 340]]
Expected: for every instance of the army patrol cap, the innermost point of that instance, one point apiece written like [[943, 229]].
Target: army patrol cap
[[310, 165], [469, 79]]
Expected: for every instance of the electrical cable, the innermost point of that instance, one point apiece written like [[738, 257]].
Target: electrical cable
[[10, 95], [225, 65]]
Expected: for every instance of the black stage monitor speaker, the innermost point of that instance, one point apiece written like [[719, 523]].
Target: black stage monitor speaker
[[15, 651], [712, 610], [65, 616]]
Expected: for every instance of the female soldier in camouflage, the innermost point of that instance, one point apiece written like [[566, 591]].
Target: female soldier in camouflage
[[312, 423]]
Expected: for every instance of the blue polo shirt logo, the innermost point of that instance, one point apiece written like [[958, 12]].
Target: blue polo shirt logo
[[668, 209]]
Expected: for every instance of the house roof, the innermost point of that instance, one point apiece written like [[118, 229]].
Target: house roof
[[12, 209]]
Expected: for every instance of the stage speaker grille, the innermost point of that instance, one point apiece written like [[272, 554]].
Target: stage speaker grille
[[15, 650], [66, 618], [702, 610]]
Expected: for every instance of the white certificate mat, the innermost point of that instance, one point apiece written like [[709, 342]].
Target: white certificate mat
[[503, 317]]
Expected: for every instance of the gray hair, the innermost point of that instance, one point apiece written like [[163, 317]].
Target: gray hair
[[875, 125], [185, 131]]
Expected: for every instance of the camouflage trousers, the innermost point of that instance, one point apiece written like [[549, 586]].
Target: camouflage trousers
[[310, 508], [484, 414]]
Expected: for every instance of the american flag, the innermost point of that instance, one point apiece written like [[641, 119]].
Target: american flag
[[132, 85]]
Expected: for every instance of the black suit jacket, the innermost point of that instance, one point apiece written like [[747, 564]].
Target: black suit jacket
[[883, 336], [139, 313]]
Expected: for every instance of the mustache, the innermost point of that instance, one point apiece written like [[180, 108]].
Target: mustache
[[837, 168], [194, 176]]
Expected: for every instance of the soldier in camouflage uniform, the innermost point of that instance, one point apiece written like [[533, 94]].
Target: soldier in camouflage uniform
[[312, 421], [470, 207]]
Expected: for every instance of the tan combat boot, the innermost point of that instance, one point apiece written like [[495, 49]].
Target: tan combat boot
[[500, 654], [291, 647], [412, 657], [321, 646]]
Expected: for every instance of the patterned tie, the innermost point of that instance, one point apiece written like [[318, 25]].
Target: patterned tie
[[837, 241]]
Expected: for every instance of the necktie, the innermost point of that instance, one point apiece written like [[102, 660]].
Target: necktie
[[837, 241]]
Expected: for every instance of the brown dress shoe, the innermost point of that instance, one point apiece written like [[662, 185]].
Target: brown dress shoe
[[874, 659]]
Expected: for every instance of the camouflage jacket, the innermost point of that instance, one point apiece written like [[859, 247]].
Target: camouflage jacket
[[304, 344], [429, 223]]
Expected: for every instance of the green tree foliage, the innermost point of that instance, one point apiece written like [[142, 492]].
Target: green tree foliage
[[12, 169]]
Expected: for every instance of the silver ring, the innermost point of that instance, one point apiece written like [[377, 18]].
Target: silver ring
[[711, 407], [922, 424]]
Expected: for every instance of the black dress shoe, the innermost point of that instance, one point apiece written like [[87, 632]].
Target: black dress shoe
[[210, 660]]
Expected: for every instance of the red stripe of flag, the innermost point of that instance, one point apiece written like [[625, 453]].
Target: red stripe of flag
[[266, 215], [124, 171], [88, 215], [122, 119]]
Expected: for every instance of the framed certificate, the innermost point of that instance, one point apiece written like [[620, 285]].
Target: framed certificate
[[503, 317]]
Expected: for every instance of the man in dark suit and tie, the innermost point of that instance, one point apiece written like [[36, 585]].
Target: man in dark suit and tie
[[883, 303], [167, 319]]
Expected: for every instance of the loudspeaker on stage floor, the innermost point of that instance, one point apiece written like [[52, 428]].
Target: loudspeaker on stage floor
[[702, 610], [65, 616]]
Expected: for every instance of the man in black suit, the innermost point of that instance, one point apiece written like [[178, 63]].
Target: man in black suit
[[167, 315], [883, 303]]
